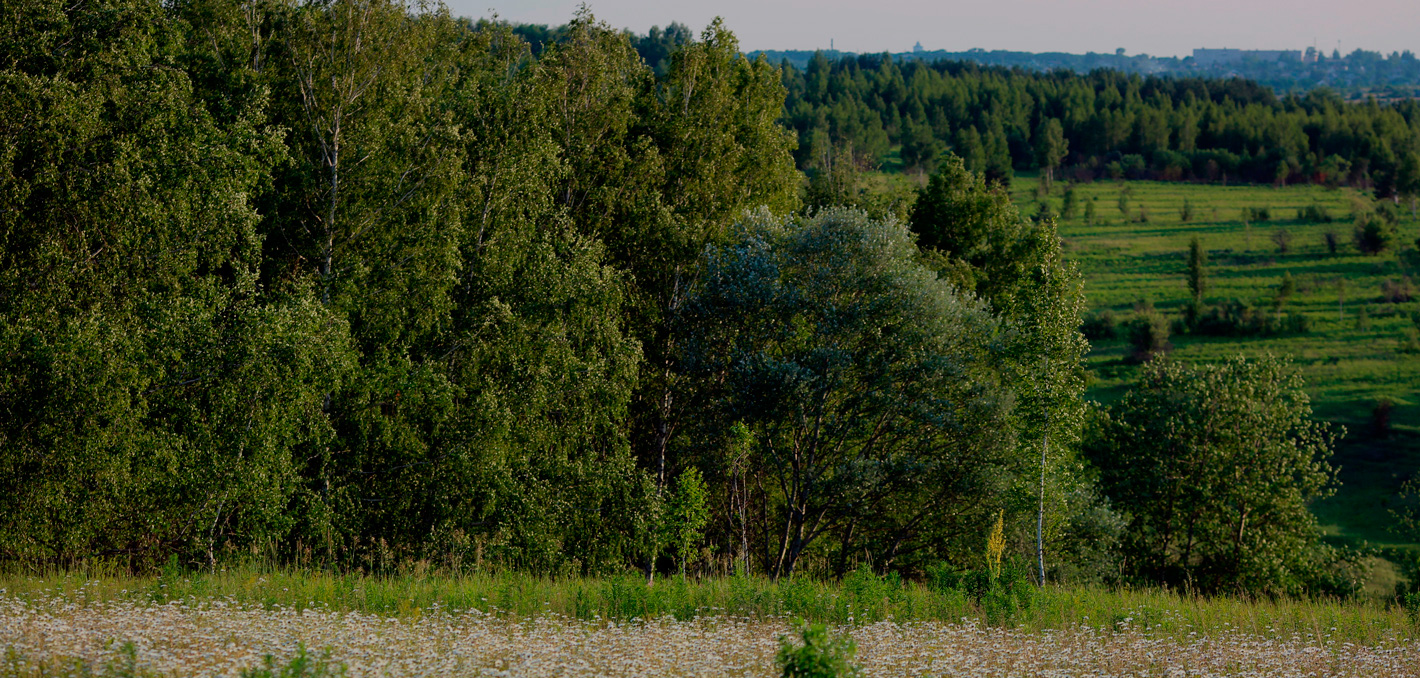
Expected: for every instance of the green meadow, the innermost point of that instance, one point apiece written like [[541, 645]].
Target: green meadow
[[1358, 352]]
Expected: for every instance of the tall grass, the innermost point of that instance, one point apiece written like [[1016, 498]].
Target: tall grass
[[859, 599]]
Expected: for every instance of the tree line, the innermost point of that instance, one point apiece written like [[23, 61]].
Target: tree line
[[1355, 76], [874, 109], [358, 283]]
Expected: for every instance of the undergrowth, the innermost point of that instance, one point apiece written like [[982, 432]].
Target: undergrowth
[[1008, 599]]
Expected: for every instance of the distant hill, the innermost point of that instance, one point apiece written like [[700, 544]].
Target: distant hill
[[1041, 61], [1358, 75]]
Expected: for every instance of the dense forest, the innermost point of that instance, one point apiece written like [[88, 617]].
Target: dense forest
[[1355, 76], [356, 284], [880, 109], [1105, 124]]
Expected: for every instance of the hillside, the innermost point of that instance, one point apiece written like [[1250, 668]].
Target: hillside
[[1358, 352]]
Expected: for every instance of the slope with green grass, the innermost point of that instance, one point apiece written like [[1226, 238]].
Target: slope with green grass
[[1357, 353]]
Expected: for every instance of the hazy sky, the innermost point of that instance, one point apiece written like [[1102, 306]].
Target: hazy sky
[[1158, 27]]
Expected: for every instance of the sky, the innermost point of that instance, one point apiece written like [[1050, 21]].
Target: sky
[[1156, 27]]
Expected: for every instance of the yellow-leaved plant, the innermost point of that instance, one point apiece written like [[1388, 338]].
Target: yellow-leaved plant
[[996, 545]]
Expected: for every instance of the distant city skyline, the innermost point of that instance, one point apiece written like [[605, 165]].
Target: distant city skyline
[[1138, 26]]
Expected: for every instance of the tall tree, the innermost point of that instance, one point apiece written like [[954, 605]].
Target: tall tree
[[1197, 278], [535, 466], [1050, 147], [869, 384], [1215, 465], [978, 239], [154, 397]]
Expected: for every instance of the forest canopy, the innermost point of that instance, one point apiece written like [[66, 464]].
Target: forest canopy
[[358, 283]]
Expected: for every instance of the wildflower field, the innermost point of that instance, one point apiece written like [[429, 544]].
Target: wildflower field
[[256, 623]]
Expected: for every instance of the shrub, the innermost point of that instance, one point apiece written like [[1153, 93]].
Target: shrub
[[1068, 202], [1283, 239], [1397, 291], [820, 656], [1256, 214], [1100, 325], [1000, 593], [1237, 318], [1330, 238], [1232, 451], [1316, 214], [1148, 336], [1410, 342], [1373, 234], [1043, 212]]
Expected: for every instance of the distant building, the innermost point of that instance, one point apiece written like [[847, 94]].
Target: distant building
[[1219, 57], [917, 48]]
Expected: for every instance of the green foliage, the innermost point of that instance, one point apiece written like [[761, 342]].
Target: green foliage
[[1214, 464], [1070, 203], [1100, 325], [155, 396], [1257, 214], [1148, 335], [1051, 147], [1197, 271], [820, 655], [1002, 594], [1111, 124], [1315, 214], [1373, 233], [688, 513], [960, 216], [820, 334], [1237, 318], [301, 665]]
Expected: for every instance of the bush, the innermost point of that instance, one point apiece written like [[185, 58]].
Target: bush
[[1231, 450], [1000, 595], [1315, 214], [1100, 325], [1257, 214], [1410, 342], [1236, 318], [1148, 336], [1069, 201], [1283, 239], [1373, 234], [1043, 212], [1397, 291], [820, 655]]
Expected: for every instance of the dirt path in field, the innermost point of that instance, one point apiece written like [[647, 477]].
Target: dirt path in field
[[221, 638]]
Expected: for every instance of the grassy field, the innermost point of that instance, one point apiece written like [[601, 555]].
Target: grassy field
[[859, 599], [1354, 355]]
